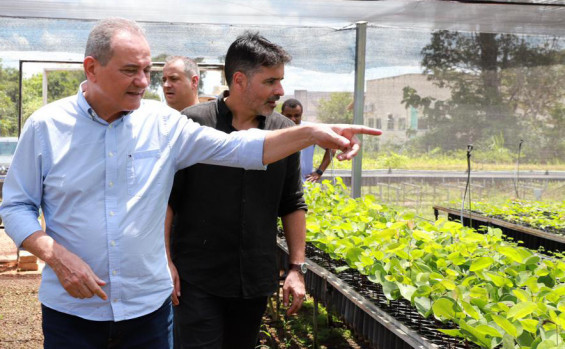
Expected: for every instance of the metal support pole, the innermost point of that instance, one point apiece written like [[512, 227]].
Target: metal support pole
[[20, 81], [44, 87], [358, 102]]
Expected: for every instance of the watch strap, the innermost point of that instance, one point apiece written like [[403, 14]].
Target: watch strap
[[301, 268]]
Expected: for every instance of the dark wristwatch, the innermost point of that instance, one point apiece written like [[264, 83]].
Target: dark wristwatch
[[319, 172], [302, 267]]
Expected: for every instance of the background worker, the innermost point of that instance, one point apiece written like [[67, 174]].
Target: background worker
[[180, 82], [292, 109]]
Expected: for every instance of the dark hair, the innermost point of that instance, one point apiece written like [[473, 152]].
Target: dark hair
[[251, 51], [292, 103], [99, 43]]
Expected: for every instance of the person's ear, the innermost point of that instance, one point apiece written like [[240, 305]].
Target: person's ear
[[239, 80], [90, 65], [195, 80]]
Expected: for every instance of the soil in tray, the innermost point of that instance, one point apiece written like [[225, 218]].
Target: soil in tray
[[401, 309]]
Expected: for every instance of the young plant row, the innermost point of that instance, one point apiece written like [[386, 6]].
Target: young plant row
[[496, 293], [536, 214]]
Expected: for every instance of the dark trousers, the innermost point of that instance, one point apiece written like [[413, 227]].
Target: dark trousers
[[151, 331], [205, 321]]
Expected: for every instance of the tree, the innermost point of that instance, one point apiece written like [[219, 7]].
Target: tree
[[336, 109], [498, 83], [8, 101], [63, 83]]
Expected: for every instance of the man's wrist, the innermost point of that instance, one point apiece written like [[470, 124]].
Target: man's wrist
[[319, 172], [302, 268]]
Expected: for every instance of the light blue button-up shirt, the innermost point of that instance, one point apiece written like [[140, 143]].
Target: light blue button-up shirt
[[307, 158], [104, 188]]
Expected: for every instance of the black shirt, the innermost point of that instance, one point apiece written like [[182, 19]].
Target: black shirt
[[224, 237]]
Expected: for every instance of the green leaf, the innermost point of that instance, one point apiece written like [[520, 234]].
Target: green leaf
[[547, 344], [530, 325], [506, 325], [481, 263], [488, 330], [444, 309], [340, 269], [448, 284], [352, 254], [512, 253], [499, 281], [390, 289], [422, 235], [312, 227], [521, 310], [423, 291], [406, 291], [521, 295], [424, 305], [470, 310], [479, 337], [452, 333], [478, 292]]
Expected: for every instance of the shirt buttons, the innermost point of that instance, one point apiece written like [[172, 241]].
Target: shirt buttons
[[112, 243], [114, 272], [115, 300], [112, 213], [110, 154], [111, 184]]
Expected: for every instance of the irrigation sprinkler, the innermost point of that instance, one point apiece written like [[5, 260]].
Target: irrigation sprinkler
[[518, 168], [468, 185]]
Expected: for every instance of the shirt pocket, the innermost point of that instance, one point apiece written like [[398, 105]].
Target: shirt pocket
[[142, 171]]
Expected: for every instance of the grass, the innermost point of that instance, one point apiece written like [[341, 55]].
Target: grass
[[374, 160]]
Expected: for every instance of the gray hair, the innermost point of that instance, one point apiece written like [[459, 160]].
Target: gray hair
[[190, 66], [99, 43]]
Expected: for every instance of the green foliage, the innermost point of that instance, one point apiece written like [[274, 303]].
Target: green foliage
[[335, 109], [498, 294], [542, 215], [392, 160], [8, 99], [63, 83]]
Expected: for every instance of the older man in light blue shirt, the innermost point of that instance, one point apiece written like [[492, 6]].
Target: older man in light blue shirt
[[91, 177], [101, 164]]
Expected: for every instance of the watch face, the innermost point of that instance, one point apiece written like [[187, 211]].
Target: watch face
[[303, 268]]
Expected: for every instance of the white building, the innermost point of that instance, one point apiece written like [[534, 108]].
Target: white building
[[384, 108]]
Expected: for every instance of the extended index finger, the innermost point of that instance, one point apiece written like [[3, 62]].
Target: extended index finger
[[359, 129], [94, 285]]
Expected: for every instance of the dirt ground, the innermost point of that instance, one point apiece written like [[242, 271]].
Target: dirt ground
[[20, 310]]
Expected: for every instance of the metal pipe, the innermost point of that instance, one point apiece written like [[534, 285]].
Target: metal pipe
[[20, 82], [358, 102]]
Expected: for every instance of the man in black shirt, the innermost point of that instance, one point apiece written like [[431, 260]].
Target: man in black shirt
[[224, 240]]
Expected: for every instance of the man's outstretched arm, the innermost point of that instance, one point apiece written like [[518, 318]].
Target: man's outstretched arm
[[281, 143]]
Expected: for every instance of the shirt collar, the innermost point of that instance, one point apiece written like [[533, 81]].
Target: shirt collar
[[88, 111], [225, 113]]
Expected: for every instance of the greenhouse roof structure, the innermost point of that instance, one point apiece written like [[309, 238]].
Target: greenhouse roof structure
[[510, 16]]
